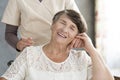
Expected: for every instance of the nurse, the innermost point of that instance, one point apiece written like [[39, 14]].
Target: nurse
[[32, 20]]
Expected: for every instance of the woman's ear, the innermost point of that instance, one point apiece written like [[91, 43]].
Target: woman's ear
[[77, 34]]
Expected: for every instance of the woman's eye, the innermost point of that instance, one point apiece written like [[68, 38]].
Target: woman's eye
[[72, 28], [62, 23]]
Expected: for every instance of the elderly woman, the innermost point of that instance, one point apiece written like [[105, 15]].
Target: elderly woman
[[56, 60]]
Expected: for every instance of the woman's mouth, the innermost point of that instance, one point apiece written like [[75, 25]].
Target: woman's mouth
[[62, 35]]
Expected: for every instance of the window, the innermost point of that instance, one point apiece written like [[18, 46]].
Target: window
[[108, 32]]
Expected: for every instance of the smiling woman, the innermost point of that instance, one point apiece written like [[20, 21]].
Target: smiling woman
[[67, 25], [57, 60]]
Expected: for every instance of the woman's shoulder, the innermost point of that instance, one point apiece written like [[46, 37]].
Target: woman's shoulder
[[79, 53], [33, 51], [33, 48], [33, 54]]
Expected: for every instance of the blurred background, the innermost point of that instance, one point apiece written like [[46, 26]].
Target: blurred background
[[102, 17]]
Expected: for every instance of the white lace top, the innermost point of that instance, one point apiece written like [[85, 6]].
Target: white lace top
[[33, 64]]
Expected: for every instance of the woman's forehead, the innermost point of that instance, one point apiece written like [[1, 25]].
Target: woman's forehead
[[66, 19]]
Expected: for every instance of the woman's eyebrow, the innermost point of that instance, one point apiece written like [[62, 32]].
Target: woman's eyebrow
[[73, 26], [62, 20], [65, 22]]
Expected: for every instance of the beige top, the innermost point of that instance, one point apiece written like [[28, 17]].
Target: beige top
[[34, 17], [33, 64]]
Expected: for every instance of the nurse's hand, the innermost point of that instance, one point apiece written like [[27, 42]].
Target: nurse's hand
[[22, 43], [1, 78]]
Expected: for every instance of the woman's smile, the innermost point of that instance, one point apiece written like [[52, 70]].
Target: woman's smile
[[62, 35]]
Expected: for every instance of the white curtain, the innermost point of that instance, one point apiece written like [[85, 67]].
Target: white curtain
[[108, 32]]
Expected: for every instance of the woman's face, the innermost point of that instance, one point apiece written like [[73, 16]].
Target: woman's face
[[64, 30]]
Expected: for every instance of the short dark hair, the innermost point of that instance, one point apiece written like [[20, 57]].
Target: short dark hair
[[74, 17]]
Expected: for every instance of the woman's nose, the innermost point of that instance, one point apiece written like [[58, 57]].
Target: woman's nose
[[65, 29]]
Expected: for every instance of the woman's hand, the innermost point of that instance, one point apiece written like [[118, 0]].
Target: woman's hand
[[86, 42], [82, 41], [24, 43]]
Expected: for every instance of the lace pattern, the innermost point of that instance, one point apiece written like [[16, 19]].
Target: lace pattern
[[32, 57], [77, 61], [18, 67]]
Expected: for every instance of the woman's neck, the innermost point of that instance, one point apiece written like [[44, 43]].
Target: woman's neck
[[55, 48], [57, 53]]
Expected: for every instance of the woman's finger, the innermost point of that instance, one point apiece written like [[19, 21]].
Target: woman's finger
[[77, 42], [72, 43]]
